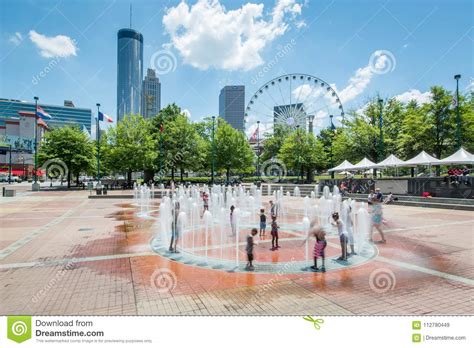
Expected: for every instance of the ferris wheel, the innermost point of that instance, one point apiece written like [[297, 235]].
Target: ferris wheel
[[294, 101]]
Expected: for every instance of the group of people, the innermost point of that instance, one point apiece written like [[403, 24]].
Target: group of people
[[457, 176], [345, 231]]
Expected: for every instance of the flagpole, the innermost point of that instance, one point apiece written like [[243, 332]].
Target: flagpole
[[98, 145], [458, 117], [36, 142]]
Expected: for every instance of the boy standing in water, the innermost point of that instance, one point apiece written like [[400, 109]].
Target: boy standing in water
[[377, 218], [274, 232], [233, 222], [263, 222], [342, 235], [249, 249], [174, 229]]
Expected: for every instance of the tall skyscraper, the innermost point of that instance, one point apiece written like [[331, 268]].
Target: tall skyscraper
[[129, 72], [151, 89], [232, 105]]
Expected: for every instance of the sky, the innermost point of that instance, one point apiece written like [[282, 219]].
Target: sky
[[67, 50]]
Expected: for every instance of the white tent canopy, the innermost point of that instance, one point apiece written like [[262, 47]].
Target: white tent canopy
[[365, 163], [459, 157], [422, 159], [390, 161], [344, 166]]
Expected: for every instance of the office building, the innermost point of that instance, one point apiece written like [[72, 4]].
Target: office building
[[151, 89], [291, 115], [129, 72], [61, 115], [232, 105]]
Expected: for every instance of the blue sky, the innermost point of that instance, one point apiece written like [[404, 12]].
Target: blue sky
[[67, 49]]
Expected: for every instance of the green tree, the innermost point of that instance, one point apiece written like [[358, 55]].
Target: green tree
[[184, 149], [303, 153], [233, 152], [71, 146], [273, 142], [131, 146]]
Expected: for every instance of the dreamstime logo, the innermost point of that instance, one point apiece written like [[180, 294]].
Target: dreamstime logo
[[273, 170], [164, 280], [55, 168], [382, 62], [382, 280], [163, 62], [19, 328]]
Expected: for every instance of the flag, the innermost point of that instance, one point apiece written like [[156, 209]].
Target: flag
[[104, 117], [254, 136], [454, 102], [41, 113]]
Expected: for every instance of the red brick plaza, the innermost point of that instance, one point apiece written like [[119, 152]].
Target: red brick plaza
[[62, 253]]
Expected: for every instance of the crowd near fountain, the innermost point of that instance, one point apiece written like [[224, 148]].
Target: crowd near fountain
[[199, 218]]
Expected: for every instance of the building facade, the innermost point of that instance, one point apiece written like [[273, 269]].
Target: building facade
[[18, 133], [61, 115], [151, 89], [129, 72], [232, 106]]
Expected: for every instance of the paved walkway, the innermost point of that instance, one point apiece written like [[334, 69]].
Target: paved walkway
[[61, 253]]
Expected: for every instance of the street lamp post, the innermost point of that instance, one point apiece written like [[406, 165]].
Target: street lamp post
[[381, 141], [297, 158], [458, 116], [258, 150], [98, 145], [35, 186], [333, 128], [10, 165], [161, 148], [213, 148]]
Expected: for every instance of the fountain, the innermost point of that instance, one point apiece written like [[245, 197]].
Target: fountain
[[206, 235]]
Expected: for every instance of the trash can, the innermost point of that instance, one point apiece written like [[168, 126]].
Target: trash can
[[98, 191]]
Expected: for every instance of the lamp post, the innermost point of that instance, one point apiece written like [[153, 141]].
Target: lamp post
[[381, 144], [10, 165], [161, 148], [297, 158], [98, 145], [458, 116], [35, 186], [213, 148], [333, 128], [258, 150]]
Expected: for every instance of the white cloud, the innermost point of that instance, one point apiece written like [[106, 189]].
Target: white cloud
[[414, 94], [54, 46], [357, 84], [207, 35], [186, 112], [16, 38]]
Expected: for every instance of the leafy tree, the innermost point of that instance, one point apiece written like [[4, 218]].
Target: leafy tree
[[274, 141], [71, 146], [233, 152], [303, 153], [131, 146], [184, 147]]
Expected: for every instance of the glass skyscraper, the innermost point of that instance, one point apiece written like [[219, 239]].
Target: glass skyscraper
[[232, 106], [61, 115], [151, 94], [129, 72]]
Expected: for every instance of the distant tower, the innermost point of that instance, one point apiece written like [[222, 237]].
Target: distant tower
[[129, 72], [151, 90], [232, 106], [310, 123]]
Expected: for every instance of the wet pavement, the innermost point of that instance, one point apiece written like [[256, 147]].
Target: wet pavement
[[62, 253]]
